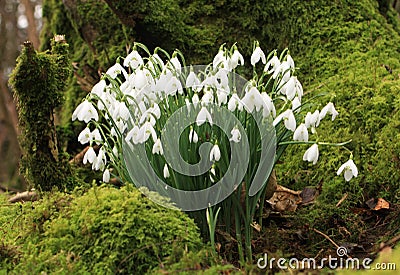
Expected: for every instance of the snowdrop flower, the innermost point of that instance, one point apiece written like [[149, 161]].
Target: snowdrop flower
[[192, 80], [172, 86], [176, 64], [269, 107], [220, 59], [106, 175], [296, 105], [207, 98], [212, 174], [85, 136], [289, 88], [134, 60], [288, 119], [193, 137], [195, 100], [157, 147], [290, 61], [235, 102], [272, 65], [146, 131], [95, 135], [139, 79], [328, 109], [90, 155], [257, 55], [204, 116], [301, 133], [98, 89], [166, 171], [116, 70], [235, 59], [222, 97], [252, 99], [350, 170], [312, 120], [85, 112], [121, 111], [100, 161], [236, 136], [312, 154], [215, 153], [132, 135]]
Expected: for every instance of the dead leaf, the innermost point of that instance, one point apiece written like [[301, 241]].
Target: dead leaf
[[381, 204], [377, 204]]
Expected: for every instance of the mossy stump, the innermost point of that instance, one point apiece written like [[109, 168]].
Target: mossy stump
[[38, 81]]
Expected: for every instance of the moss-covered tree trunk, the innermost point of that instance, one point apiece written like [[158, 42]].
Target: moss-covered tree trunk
[[38, 82]]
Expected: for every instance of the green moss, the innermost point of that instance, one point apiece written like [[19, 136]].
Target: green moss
[[38, 82], [103, 231]]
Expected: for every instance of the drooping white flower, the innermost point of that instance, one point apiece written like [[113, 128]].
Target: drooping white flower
[[98, 89], [134, 60], [133, 135], [116, 70], [312, 120], [256, 56], [212, 174], [220, 59], [207, 98], [301, 133], [85, 136], [269, 107], [89, 156], [272, 65], [328, 109], [350, 170], [157, 147], [85, 112], [236, 136], [312, 154], [120, 111], [235, 59], [222, 97], [192, 80], [95, 136], [145, 132], [252, 99], [100, 161], [195, 100], [193, 137], [139, 79], [215, 153], [204, 116], [288, 119], [296, 105], [176, 64], [173, 86], [289, 88], [166, 171], [106, 175], [235, 102], [290, 61]]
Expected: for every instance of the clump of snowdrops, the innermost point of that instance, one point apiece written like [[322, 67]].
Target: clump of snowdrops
[[136, 96]]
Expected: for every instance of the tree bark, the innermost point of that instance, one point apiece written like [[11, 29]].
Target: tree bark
[[32, 28]]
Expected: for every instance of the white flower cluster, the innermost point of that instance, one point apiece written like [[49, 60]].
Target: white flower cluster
[[132, 97]]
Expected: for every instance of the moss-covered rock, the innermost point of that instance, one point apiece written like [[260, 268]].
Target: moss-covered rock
[[103, 231]]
